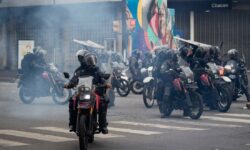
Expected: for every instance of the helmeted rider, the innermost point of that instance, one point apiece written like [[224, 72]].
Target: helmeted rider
[[88, 67], [234, 55], [134, 64], [147, 60], [165, 69], [33, 64]]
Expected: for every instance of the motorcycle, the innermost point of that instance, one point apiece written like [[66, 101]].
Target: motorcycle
[[183, 94], [148, 88], [120, 82], [222, 84], [215, 96], [238, 83], [87, 114], [49, 83]]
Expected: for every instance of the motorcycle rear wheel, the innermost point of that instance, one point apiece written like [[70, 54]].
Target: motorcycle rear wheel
[[26, 99], [82, 130]]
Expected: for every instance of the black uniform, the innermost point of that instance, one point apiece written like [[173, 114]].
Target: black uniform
[[98, 78]]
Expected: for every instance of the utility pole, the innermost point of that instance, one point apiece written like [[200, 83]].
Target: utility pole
[[124, 27]]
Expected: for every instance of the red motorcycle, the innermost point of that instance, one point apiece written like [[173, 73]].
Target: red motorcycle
[[88, 104]]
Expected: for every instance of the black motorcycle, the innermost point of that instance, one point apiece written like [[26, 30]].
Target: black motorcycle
[[87, 112], [120, 83], [222, 84], [234, 72], [183, 88], [49, 83]]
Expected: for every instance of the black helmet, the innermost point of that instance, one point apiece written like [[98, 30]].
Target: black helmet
[[136, 53], [148, 55], [183, 52], [80, 54], [91, 60], [214, 51], [233, 53], [38, 51]]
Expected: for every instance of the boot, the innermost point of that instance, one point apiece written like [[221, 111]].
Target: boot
[[72, 117], [103, 118]]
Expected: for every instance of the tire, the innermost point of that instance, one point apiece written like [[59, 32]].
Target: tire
[[26, 99], [91, 138], [82, 131], [123, 90], [148, 99], [225, 100], [166, 107], [61, 100], [197, 105], [134, 87]]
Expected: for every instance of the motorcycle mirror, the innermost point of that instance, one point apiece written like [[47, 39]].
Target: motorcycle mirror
[[66, 75]]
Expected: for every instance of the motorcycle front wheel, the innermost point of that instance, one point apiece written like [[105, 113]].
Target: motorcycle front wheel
[[82, 131], [63, 98], [148, 96], [224, 100], [123, 88], [26, 96], [197, 105]]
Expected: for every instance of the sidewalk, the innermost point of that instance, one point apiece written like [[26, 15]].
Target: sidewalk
[[8, 76]]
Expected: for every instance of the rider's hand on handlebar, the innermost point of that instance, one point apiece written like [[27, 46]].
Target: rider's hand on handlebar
[[66, 86], [108, 85]]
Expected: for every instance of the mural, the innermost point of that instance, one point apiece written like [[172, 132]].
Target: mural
[[154, 24]]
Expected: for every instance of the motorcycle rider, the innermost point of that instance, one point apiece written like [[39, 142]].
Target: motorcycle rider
[[234, 55], [148, 60], [134, 64], [165, 69], [33, 64], [88, 68]]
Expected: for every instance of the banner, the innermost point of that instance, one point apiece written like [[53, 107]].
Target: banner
[[24, 46], [154, 24]]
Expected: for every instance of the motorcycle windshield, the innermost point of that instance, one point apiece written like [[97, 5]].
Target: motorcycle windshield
[[186, 69], [87, 81], [213, 67]]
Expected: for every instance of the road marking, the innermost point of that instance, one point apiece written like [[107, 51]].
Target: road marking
[[159, 126], [198, 123], [7, 143], [63, 130], [227, 119], [248, 144], [234, 115], [142, 132], [37, 136]]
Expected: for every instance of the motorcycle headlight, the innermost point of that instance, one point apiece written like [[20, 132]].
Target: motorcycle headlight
[[84, 97]]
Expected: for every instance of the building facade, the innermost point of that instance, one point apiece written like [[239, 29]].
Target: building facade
[[215, 21]]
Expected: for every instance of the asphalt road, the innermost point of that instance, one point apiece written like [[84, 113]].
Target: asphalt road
[[43, 125]]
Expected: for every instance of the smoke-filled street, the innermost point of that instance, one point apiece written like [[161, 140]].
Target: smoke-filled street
[[44, 125]]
